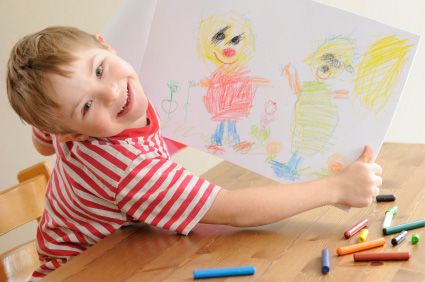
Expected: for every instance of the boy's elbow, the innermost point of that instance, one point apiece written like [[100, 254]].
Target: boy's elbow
[[45, 150], [242, 220], [223, 210], [46, 153], [228, 209]]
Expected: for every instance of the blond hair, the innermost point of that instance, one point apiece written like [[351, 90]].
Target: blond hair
[[31, 60]]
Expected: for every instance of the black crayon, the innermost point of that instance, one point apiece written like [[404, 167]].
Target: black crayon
[[385, 198]]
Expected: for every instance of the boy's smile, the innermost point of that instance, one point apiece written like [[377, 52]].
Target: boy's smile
[[101, 97]]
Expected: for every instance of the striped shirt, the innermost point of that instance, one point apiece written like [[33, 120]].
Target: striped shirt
[[101, 184]]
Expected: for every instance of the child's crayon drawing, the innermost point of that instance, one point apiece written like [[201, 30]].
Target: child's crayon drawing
[[228, 42], [316, 113], [271, 85], [262, 132], [170, 105], [186, 106], [379, 70]]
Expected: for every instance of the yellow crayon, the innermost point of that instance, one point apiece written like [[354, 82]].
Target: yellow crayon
[[363, 235]]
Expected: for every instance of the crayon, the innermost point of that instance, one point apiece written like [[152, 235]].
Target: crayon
[[385, 198], [363, 235], [406, 226], [325, 261], [399, 238], [222, 272], [415, 239], [387, 220], [393, 209], [382, 256], [356, 228], [360, 247], [389, 216]]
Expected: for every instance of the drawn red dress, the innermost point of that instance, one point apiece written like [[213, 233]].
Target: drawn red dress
[[230, 95]]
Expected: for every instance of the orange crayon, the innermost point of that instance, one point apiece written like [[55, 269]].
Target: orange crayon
[[360, 247]]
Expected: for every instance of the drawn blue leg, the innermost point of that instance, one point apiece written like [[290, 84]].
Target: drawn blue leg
[[217, 137], [232, 133], [287, 170]]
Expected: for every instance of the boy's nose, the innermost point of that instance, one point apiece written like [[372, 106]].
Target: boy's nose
[[110, 93]]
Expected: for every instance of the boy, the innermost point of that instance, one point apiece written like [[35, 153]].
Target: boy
[[87, 105]]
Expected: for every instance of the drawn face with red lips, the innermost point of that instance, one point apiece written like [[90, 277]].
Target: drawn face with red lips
[[226, 41]]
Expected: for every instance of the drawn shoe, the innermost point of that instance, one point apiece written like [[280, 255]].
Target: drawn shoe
[[215, 149], [243, 147], [288, 170]]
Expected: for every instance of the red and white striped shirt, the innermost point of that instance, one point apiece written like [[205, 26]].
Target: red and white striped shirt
[[101, 184]]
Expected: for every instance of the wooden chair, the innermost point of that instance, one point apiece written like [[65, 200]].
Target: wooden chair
[[21, 204]]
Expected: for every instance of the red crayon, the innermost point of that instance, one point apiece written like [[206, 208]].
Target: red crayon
[[356, 228], [382, 256]]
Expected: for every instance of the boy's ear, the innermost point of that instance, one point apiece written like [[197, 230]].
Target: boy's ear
[[103, 42], [71, 137]]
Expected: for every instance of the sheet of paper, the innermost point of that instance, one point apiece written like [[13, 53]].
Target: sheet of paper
[[292, 90], [128, 30]]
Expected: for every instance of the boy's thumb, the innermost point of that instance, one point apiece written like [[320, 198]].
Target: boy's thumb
[[367, 154]]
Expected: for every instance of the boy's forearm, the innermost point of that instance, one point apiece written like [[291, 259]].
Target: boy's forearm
[[264, 205]]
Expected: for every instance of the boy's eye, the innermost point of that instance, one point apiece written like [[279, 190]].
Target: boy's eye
[[86, 107], [99, 71]]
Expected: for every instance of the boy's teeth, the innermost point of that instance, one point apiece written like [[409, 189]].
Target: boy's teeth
[[126, 102]]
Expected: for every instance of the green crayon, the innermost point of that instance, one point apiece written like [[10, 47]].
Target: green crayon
[[415, 239], [404, 226]]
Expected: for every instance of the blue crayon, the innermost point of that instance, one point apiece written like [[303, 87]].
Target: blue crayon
[[222, 272], [325, 261]]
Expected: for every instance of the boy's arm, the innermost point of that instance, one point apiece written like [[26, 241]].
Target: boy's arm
[[355, 186]]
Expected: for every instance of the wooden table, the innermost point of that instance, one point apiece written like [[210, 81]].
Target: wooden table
[[286, 251]]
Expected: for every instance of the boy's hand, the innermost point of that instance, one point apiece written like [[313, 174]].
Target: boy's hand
[[359, 183], [355, 186]]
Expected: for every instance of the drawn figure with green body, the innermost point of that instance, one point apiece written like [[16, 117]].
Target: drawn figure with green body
[[315, 113]]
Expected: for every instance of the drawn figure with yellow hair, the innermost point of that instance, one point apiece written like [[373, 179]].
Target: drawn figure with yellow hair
[[316, 113], [228, 43]]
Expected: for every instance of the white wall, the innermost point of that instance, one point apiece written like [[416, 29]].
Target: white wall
[[20, 17]]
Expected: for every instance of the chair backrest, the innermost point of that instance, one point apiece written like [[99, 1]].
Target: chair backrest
[[21, 204]]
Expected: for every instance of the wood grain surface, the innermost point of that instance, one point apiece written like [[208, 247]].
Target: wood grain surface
[[286, 251]]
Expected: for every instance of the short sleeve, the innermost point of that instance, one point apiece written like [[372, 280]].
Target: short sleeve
[[161, 193], [42, 136]]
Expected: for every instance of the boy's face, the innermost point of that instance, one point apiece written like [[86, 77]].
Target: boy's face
[[102, 97]]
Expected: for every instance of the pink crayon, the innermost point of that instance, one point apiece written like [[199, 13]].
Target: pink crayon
[[356, 228]]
